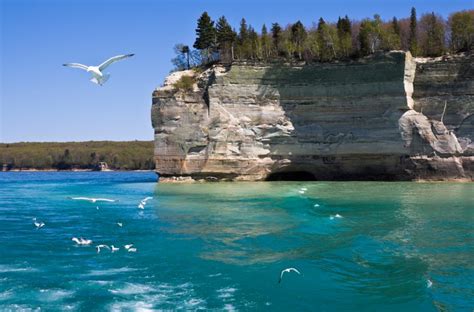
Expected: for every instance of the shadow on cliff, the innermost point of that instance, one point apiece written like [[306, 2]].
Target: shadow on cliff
[[329, 106]]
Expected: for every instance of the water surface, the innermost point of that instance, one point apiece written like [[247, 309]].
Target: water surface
[[221, 246]]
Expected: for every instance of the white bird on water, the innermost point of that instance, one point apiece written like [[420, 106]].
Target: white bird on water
[[93, 200], [338, 216], [288, 270], [98, 247], [98, 77], [120, 224], [38, 225], [132, 250], [81, 241], [114, 249], [141, 205], [128, 246]]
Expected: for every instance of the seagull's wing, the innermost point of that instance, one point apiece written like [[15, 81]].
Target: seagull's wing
[[294, 270], [105, 199], [76, 65], [82, 198], [114, 59]]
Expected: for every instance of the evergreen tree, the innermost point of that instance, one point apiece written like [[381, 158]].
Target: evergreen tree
[[244, 44], [412, 39], [326, 42], [298, 37], [225, 39], [265, 42], [276, 36], [395, 26], [432, 43], [344, 34], [255, 47], [205, 35]]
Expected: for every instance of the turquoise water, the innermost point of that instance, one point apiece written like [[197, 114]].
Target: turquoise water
[[222, 246]]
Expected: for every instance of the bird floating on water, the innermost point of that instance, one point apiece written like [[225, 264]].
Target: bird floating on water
[[132, 250], [81, 241], [113, 248], [288, 270], [336, 216], [93, 200], [429, 284], [101, 246], [98, 77], [120, 224], [38, 225], [128, 246]]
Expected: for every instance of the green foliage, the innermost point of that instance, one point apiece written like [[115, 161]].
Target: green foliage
[[205, 35], [432, 41], [134, 155], [344, 34], [185, 83], [276, 37], [225, 39], [298, 37], [328, 41], [462, 31]]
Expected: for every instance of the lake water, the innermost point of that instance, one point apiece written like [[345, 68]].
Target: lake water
[[221, 246]]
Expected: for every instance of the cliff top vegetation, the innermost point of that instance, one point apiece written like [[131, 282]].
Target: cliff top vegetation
[[428, 35]]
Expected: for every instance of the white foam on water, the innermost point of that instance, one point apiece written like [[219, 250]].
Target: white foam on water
[[133, 289], [226, 293], [16, 268], [152, 297], [111, 271], [139, 306], [215, 275], [229, 307], [51, 295], [6, 294]]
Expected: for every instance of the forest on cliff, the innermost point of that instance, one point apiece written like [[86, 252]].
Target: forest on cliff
[[429, 35], [133, 155]]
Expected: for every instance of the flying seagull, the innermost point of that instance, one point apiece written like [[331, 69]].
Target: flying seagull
[[98, 77], [98, 247], [287, 271], [81, 241], [38, 225], [93, 200]]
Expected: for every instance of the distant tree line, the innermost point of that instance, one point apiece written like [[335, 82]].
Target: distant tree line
[[134, 155], [430, 35]]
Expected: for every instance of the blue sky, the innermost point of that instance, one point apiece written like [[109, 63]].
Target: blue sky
[[44, 101]]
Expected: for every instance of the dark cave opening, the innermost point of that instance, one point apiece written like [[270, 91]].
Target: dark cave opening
[[291, 176]]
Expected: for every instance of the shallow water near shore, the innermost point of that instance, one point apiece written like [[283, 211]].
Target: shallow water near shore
[[221, 246]]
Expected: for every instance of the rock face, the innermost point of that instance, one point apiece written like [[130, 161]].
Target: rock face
[[377, 118]]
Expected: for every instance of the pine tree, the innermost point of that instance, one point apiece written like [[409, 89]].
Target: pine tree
[[412, 39], [395, 26], [265, 42], [344, 33], [205, 35], [326, 41], [432, 43], [298, 37], [276, 36], [244, 45], [225, 39]]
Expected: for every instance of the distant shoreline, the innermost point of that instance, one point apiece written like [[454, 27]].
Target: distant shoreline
[[74, 170]]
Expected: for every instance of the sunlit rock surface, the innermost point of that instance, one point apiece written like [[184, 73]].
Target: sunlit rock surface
[[377, 118]]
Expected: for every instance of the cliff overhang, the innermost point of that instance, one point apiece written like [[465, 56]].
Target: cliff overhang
[[385, 117]]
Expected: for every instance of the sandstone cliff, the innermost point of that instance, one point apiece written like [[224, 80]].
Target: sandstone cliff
[[377, 118]]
